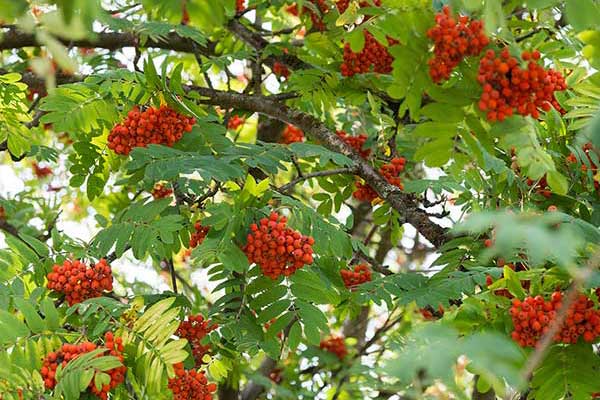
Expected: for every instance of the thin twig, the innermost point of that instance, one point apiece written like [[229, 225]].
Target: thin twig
[[173, 274], [338, 171]]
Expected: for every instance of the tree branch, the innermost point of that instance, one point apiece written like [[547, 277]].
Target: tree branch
[[15, 39], [338, 171], [406, 204], [257, 42]]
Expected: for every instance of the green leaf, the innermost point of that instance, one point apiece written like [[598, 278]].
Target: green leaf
[[567, 371], [233, 258], [11, 328], [557, 182], [583, 14], [32, 318]]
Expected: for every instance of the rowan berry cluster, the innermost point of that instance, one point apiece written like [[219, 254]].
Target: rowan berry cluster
[[533, 316], [280, 69], [190, 385], [161, 191], [356, 142], [113, 346], [152, 126], [510, 89], [342, 5], [374, 57], [453, 40], [41, 172], [198, 236], [391, 172], [291, 134], [235, 122], [335, 345], [354, 277], [541, 187], [194, 330], [587, 148], [277, 249], [79, 282]]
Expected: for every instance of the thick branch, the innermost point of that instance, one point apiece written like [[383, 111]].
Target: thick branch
[[405, 204], [14, 39]]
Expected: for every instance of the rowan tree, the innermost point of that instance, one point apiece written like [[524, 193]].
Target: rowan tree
[[310, 199]]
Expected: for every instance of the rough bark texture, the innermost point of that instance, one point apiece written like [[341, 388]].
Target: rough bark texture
[[14, 39]]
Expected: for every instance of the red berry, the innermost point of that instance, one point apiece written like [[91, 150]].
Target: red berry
[[291, 134], [335, 345], [517, 90], [195, 330], [199, 235], [265, 247], [374, 57], [190, 384], [390, 172], [83, 282], [454, 39], [352, 278], [152, 126], [69, 352]]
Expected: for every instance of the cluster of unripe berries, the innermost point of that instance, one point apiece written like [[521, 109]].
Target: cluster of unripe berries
[[356, 142], [532, 318], [374, 57], [151, 126], [391, 172], [291, 134], [194, 330], [453, 40], [161, 191], [509, 89], [79, 282], [335, 345], [190, 385], [235, 122], [68, 352], [353, 277], [41, 172], [198, 235], [277, 249]]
